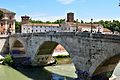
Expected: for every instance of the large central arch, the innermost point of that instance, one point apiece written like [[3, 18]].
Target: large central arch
[[45, 51]]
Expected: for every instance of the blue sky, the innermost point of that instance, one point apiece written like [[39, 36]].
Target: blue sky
[[57, 9]]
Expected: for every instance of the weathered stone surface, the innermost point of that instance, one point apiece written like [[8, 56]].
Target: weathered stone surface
[[89, 52]]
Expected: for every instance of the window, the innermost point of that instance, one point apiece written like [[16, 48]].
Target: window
[[1, 24], [10, 17], [10, 26], [69, 28]]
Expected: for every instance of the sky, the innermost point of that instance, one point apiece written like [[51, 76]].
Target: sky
[[51, 10]]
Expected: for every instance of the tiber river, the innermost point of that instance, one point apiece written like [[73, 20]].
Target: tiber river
[[59, 72]]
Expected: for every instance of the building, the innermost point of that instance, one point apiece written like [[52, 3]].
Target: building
[[68, 26], [59, 50], [7, 23], [88, 27], [28, 27], [107, 31], [37, 28], [74, 26]]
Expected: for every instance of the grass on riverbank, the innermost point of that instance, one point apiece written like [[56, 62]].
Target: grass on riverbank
[[63, 59]]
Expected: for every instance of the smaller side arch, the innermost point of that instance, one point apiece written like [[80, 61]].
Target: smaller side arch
[[18, 47]]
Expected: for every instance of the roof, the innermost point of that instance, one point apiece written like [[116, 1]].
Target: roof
[[41, 24], [6, 11], [106, 30], [81, 25], [88, 25]]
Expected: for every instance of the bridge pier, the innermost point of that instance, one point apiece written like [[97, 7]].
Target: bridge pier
[[83, 75]]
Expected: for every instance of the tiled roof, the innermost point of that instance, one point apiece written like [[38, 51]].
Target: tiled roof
[[106, 30], [88, 25], [6, 11], [33, 24], [82, 25]]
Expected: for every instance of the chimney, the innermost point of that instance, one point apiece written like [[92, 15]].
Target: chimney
[[25, 19], [70, 17]]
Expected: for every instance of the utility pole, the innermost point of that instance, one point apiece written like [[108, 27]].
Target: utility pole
[[76, 25], [91, 25]]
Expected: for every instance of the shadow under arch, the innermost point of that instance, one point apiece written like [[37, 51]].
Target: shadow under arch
[[45, 51], [18, 48], [106, 68], [44, 54]]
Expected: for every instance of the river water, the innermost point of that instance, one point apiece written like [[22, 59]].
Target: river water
[[59, 72]]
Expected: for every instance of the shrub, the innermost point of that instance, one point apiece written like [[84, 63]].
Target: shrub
[[8, 60]]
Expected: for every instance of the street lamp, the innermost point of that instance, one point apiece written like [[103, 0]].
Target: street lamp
[[91, 25], [76, 25]]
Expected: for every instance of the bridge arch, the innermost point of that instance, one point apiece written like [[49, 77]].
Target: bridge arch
[[18, 47], [46, 49], [105, 67]]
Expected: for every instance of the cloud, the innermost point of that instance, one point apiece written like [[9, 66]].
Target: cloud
[[65, 1]]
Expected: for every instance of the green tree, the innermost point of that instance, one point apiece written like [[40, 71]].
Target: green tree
[[8, 60], [59, 21], [35, 21], [17, 26], [1, 15], [81, 21], [48, 22]]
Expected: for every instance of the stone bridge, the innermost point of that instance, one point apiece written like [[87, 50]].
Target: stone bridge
[[92, 54]]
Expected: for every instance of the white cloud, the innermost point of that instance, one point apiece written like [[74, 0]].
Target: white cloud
[[66, 1]]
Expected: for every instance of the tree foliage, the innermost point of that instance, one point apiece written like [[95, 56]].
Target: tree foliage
[[17, 26], [1, 15], [8, 60], [48, 22], [112, 25]]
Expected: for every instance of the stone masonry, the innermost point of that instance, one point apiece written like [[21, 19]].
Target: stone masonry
[[91, 54]]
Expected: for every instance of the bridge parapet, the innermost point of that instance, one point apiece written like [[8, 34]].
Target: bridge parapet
[[80, 34]]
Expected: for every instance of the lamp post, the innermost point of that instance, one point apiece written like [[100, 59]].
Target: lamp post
[[76, 25], [91, 25]]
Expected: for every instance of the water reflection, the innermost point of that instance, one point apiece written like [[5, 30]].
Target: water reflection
[[47, 73], [58, 77]]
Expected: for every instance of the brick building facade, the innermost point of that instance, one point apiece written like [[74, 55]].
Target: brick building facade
[[7, 23]]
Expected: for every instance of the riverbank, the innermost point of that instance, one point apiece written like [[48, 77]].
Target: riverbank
[[63, 59]]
